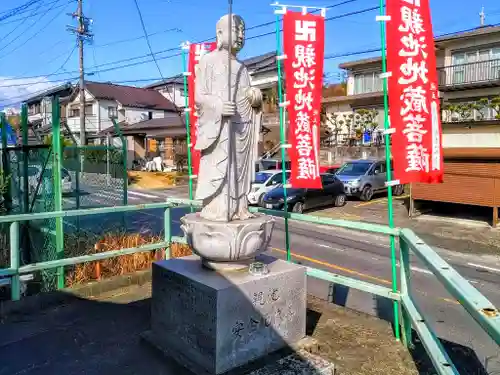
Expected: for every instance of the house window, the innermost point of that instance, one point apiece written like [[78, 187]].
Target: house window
[[475, 66], [89, 110], [150, 115], [112, 112], [74, 112], [367, 82]]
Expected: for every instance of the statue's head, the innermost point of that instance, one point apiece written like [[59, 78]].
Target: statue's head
[[237, 37]]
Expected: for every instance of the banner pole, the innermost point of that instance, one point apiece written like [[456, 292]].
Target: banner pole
[[388, 170], [282, 136], [186, 112]]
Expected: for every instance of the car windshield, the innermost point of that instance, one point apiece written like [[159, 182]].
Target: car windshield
[[261, 177], [354, 169]]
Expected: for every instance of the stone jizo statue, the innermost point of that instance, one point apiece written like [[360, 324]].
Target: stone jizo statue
[[229, 128], [225, 234]]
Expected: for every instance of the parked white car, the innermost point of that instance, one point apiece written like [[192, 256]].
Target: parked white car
[[35, 174], [264, 182]]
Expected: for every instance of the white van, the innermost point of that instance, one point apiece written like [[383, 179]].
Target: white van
[[264, 182]]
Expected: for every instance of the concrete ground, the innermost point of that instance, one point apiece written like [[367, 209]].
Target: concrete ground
[[458, 230], [101, 335]]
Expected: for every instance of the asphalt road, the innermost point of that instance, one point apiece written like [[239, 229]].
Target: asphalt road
[[358, 255]]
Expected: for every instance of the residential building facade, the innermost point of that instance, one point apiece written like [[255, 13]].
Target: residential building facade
[[40, 107], [469, 88], [172, 89]]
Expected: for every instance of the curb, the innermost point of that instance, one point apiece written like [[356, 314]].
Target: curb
[[42, 300]]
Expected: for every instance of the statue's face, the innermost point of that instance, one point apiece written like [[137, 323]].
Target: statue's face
[[238, 32]]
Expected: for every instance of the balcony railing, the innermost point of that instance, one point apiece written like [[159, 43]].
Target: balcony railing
[[481, 72]]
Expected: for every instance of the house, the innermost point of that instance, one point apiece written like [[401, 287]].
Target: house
[[40, 109], [171, 88], [469, 84], [106, 103]]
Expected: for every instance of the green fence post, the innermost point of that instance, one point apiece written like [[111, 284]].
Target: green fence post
[[15, 287], [25, 156], [167, 223], [405, 290], [188, 134], [125, 159], [56, 170], [6, 165], [282, 137], [389, 174]]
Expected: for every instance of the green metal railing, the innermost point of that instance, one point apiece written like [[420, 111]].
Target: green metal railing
[[478, 306]]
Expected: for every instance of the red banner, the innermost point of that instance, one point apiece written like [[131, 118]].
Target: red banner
[[413, 93], [304, 47], [196, 50]]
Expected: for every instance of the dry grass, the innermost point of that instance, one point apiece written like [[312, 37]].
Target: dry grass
[[121, 265], [152, 180]]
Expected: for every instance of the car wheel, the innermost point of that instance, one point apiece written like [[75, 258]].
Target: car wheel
[[398, 190], [298, 208], [340, 200], [367, 193], [260, 201]]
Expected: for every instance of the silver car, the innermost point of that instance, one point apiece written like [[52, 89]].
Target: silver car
[[364, 178]]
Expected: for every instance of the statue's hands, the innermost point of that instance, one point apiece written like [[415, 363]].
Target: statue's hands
[[228, 109], [254, 96]]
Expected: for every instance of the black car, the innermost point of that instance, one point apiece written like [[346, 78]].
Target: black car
[[299, 200]]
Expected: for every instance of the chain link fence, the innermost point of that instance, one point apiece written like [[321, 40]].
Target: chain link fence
[[98, 175]]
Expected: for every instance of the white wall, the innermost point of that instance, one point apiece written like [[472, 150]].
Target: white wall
[[174, 93], [471, 136], [263, 80], [133, 115], [99, 120]]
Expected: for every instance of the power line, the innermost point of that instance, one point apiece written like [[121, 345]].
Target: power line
[[147, 37], [175, 29], [26, 29], [327, 57], [18, 10], [177, 48], [35, 14], [34, 35], [349, 14]]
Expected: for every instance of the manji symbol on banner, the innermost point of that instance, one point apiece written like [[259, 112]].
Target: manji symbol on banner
[[196, 50], [413, 93], [304, 46]]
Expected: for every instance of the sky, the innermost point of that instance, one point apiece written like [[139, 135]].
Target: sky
[[37, 50]]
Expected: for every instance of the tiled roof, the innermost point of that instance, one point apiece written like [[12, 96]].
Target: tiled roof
[[130, 96]]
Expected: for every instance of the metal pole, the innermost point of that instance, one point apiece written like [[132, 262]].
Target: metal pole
[[282, 137], [188, 134], [81, 32], [389, 173], [230, 52], [108, 167], [6, 165], [56, 170], [24, 153]]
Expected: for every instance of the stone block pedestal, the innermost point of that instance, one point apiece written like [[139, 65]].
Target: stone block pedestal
[[214, 322]]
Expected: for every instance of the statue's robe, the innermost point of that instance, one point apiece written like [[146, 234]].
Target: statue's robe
[[228, 145]]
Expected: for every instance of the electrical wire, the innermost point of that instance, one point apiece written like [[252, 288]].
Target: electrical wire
[[16, 20], [147, 37], [26, 29], [18, 10], [34, 35], [175, 29], [39, 82], [178, 48]]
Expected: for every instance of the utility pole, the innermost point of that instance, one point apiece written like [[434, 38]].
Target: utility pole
[[83, 34]]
